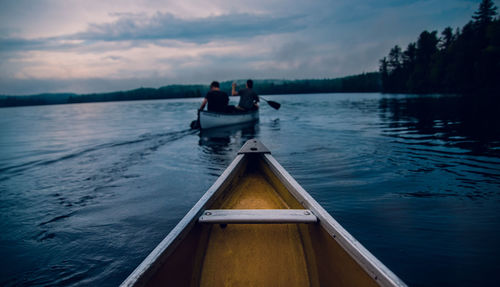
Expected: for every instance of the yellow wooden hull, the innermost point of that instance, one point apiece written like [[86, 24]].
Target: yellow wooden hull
[[259, 254]]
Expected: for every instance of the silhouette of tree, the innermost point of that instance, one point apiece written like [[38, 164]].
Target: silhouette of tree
[[467, 61], [409, 60], [410, 56], [395, 58], [446, 39], [384, 73], [486, 12], [426, 46], [426, 49]]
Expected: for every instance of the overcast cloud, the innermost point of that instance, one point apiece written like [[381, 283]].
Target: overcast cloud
[[89, 46]]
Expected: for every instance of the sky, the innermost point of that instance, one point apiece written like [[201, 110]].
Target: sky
[[101, 46]]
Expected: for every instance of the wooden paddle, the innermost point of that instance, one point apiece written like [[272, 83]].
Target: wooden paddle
[[273, 104]]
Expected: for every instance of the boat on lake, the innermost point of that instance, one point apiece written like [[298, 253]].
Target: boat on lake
[[215, 119], [256, 226]]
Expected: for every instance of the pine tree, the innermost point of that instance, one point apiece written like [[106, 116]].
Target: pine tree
[[486, 13], [384, 74], [447, 38], [395, 58]]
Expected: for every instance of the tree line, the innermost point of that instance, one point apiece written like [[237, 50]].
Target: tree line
[[368, 82], [464, 61]]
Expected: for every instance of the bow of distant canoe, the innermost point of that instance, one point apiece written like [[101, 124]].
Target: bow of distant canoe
[[257, 227]]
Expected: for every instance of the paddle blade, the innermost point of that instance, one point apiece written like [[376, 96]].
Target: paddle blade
[[195, 125], [274, 104]]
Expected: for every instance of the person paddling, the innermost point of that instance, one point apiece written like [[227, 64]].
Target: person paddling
[[217, 100], [248, 98]]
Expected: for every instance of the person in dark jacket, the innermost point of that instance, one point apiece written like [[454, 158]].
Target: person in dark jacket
[[248, 98], [217, 100]]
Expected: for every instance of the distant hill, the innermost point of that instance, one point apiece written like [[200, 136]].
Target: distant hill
[[368, 82]]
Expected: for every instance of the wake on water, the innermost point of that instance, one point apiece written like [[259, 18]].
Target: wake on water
[[58, 188], [156, 140]]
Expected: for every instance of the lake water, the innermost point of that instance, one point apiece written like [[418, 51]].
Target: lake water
[[88, 190]]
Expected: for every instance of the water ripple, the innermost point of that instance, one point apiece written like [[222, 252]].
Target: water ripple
[[156, 140], [83, 204]]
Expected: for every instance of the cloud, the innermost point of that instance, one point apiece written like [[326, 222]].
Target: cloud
[[168, 26], [162, 26], [75, 85], [21, 44], [101, 45]]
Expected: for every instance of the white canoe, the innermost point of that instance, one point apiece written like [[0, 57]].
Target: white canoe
[[256, 226], [212, 120]]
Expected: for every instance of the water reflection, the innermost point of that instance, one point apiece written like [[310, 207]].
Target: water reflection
[[275, 124], [466, 123], [448, 138], [216, 140], [220, 145]]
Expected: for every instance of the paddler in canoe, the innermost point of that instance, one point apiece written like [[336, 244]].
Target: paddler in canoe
[[249, 100], [220, 113], [217, 100]]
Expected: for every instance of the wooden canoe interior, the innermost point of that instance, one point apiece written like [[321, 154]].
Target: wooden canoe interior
[[258, 254]]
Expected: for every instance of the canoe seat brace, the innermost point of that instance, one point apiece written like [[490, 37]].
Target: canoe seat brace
[[247, 216]]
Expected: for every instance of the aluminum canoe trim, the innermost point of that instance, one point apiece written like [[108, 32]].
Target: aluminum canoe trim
[[257, 216], [253, 146], [156, 258], [375, 269]]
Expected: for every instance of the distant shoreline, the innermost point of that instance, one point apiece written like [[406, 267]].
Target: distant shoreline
[[366, 82]]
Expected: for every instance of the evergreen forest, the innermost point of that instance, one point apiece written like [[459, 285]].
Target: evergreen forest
[[462, 61]]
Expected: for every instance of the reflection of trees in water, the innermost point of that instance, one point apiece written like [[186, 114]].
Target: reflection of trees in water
[[464, 122]]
